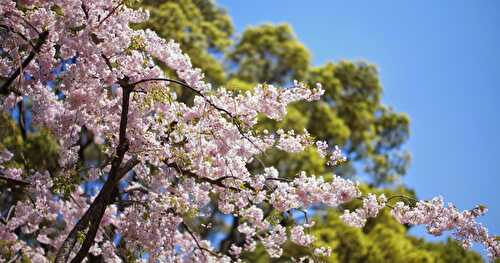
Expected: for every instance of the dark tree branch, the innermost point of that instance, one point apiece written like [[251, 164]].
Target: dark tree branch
[[92, 217], [216, 182], [21, 117], [110, 13], [278, 179], [126, 167], [136, 188], [126, 203], [16, 182], [19, 34], [5, 89], [108, 63], [84, 9]]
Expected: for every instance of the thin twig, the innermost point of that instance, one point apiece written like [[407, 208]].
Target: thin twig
[[217, 182], [198, 244], [109, 14], [278, 179]]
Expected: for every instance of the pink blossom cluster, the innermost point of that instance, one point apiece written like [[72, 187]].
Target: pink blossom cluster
[[371, 207], [438, 217], [49, 217], [334, 157], [298, 236], [187, 155], [433, 214]]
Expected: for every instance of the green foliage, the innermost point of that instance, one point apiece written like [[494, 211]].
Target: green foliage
[[58, 10], [38, 150], [269, 53], [200, 27], [451, 251], [238, 85], [64, 184], [369, 131]]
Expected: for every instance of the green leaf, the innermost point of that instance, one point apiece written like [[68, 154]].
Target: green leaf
[[57, 9]]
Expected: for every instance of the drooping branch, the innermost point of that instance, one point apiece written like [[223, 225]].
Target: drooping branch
[[6, 89]]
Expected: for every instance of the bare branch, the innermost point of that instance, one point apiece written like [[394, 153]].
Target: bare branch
[[125, 203], [129, 165], [137, 187], [108, 63], [84, 9]]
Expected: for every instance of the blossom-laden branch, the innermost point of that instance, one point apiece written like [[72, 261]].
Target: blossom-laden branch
[[6, 86], [13, 181], [185, 85], [199, 93]]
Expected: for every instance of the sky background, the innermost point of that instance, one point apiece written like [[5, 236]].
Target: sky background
[[438, 62]]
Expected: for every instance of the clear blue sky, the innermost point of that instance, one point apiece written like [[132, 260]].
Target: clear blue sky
[[438, 62]]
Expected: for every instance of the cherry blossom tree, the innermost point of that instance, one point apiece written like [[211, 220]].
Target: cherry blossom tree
[[83, 67]]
